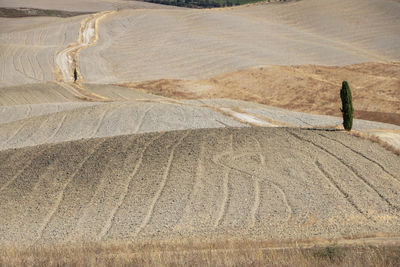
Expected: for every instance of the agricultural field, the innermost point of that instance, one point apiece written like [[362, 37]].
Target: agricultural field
[[140, 133]]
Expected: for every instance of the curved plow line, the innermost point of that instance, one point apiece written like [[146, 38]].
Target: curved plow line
[[256, 202], [81, 219], [56, 130], [110, 220], [161, 188], [184, 120], [32, 133], [15, 133], [257, 185], [121, 96], [351, 168], [263, 163], [199, 173], [85, 212], [362, 155], [24, 72], [40, 67], [225, 200], [100, 122], [141, 120], [61, 195], [28, 113], [19, 172], [335, 185]]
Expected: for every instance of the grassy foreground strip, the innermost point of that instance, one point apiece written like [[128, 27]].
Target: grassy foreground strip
[[189, 253]]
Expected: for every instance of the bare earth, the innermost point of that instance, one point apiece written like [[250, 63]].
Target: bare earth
[[258, 183], [35, 124], [199, 124], [198, 44]]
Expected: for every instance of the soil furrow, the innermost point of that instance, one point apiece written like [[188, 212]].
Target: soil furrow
[[100, 122], [279, 188], [60, 196], [351, 168], [256, 203], [335, 185], [19, 129], [124, 193], [19, 173], [99, 192], [149, 214], [57, 129], [364, 156], [28, 112], [225, 199], [137, 188], [197, 182], [141, 120]]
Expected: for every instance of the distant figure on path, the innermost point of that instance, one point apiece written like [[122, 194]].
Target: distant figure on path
[[75, 75]]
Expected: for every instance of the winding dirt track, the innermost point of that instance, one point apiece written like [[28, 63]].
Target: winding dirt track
[[68, 63], [275, 183], [88, 35]]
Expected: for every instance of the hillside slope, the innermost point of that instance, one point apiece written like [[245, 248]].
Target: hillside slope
[[269, 183], [140, 45], [29, 125], [146, 44]]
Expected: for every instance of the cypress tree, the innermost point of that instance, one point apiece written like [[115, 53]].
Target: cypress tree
[[347, 106], [75, 75]]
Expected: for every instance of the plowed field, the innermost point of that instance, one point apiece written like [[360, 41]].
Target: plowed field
[[270, 183]]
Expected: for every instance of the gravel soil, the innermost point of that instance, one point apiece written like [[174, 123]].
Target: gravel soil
[[254, 183]]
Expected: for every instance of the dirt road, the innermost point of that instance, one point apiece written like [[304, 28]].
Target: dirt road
[[67, 59]]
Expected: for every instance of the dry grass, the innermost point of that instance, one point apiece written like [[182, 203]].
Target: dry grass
[[191, 253], [304, 88], [376, 139], [87, 95]]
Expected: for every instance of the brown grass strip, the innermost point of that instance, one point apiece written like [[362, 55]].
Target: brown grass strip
[[377, 140], [205, 253]]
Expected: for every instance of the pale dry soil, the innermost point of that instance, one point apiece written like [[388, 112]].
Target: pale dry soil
[[136, 178], [199, 44], [37, 52], [254, 183], [135, 112]]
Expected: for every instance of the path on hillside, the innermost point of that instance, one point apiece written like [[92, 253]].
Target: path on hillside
[[67, 59]]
